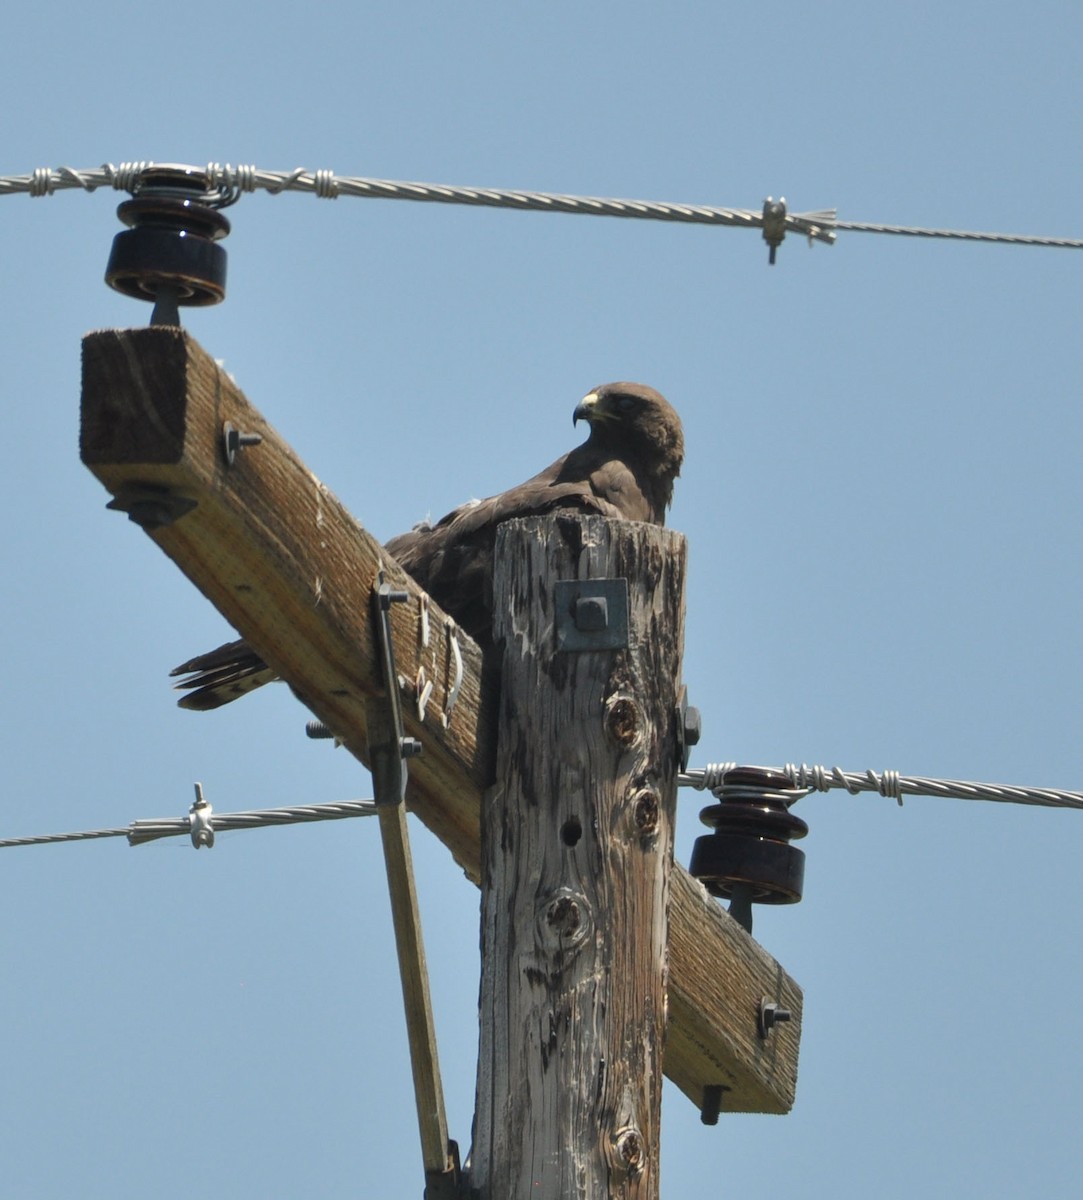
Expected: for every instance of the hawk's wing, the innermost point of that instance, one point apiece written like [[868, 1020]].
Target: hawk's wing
[[625, 469], [453, 559]]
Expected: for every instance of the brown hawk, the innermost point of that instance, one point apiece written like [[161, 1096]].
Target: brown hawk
[[624, 469]]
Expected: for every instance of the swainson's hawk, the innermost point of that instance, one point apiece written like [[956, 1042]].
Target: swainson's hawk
[[624, 469]]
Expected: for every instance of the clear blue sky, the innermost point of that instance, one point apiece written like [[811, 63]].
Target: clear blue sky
[[881, 498]]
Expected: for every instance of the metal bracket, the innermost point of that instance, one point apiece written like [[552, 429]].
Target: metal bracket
[[591, 614], [388, 751], [389, 755]]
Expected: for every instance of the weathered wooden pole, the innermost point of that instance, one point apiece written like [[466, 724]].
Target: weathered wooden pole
[[577, 841]]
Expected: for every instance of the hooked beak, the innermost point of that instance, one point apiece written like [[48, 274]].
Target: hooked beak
[[585, 409]]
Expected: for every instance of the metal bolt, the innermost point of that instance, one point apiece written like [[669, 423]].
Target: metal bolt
[[591, 614], [409, 747], [712, 1103], [389, 595], [693, 726], [689, 728], [234, 440], [770, 1015]]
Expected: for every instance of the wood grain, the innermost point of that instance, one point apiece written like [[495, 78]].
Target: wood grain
[[577, 846]]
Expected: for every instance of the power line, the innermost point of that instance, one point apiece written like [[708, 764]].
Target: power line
[[773, 219], [1010, 239], [894, 786], [812, 779], [200, 817], [45, 839]]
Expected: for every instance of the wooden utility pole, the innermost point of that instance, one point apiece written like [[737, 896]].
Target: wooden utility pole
[[577, 841], [291, 569]]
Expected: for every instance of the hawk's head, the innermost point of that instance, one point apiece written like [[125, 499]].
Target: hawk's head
[[633, 420]]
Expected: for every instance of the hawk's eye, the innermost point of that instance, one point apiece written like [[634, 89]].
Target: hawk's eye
[[626, 403]]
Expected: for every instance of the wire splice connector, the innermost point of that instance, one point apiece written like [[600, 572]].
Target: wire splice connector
[[774, 225], [200, 819]]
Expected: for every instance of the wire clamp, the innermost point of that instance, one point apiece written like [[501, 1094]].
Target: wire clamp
[[200, 820], [774, 225]]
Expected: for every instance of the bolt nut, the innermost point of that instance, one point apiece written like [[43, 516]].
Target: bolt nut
[[591, 614], [693, 726]]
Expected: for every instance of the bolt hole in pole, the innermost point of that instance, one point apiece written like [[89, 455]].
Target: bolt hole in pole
[[571, 831]]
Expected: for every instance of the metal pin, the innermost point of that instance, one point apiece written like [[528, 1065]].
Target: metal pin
[[234, 440], [770, 1015]]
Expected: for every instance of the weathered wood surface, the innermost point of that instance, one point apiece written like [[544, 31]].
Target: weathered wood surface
[[283, 561], [577, 847]]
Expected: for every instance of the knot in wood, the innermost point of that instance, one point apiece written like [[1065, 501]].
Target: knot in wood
[[631, 1150], [622, 720], [645, 809], [564, 916], [564, 921]]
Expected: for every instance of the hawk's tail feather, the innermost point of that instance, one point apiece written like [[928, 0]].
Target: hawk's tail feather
[[221, 675]]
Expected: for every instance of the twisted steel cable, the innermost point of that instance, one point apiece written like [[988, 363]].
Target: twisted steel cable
[[140, 832], [894, 786], [233, 181]]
